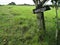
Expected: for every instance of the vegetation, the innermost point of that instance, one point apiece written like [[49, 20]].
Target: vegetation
[[12, 3], [19, 26]]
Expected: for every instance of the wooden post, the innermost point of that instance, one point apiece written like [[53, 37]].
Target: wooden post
[[57, 26], [41, 24], [41, 20]]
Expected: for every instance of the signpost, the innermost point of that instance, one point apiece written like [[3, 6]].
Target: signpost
[[40, 13], [40, 9]]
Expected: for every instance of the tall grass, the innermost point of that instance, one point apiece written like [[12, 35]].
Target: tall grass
[[18, 26]]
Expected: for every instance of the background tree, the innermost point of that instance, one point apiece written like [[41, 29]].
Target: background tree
[[12, 3]]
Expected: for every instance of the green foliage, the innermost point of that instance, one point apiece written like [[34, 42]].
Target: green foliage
[[12, 3], [19, 26]]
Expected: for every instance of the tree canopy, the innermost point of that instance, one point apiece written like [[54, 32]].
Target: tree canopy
[[12, 3]]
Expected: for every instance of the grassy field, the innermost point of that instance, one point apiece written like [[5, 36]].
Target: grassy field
[[19, 26]]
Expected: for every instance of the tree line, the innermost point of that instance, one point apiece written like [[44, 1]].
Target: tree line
[[13, 3]]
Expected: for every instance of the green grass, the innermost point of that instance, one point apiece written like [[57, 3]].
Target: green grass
[[18, 26]]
